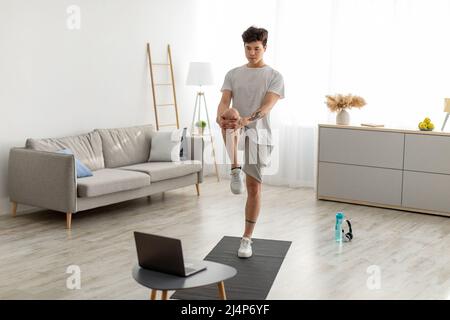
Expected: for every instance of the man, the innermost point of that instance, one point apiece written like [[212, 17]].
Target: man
[[254, 89]]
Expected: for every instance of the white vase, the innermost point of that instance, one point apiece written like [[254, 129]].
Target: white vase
[[343, 117]]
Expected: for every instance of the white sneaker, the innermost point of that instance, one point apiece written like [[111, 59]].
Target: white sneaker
[[237, 183], [245, 250]]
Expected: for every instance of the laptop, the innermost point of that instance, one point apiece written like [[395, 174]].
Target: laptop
[[164, 254]]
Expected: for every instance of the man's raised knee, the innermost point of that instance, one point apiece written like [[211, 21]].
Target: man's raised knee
[[231, 114]]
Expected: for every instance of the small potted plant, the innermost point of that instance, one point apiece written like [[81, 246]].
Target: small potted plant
[[340, 103], [201, 125]]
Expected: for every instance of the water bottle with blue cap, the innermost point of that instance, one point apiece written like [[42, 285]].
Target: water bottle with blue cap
[[338, 227]]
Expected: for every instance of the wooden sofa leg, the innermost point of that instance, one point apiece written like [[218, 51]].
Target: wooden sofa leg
[[69, 220], [197, 186], [13, 208]]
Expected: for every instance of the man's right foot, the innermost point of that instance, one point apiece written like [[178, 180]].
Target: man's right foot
[[237, 183]]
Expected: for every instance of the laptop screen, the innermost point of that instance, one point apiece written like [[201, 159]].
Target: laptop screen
[[159, 253]]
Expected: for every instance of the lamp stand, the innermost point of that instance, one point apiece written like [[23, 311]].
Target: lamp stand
[[445, 121], [197, 109]]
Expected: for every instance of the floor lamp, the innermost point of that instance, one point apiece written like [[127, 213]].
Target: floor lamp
[[200, 74], [446, 109]]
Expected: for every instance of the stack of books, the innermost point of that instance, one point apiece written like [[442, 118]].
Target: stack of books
[[372, 125]]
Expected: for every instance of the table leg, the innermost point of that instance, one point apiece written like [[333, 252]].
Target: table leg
[[153, 294], [164, 295], [222, 293]]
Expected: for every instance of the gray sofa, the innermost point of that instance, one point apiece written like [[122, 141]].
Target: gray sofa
[[118, 158]]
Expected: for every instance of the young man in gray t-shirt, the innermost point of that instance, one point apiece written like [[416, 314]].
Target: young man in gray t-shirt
[[254, 89]]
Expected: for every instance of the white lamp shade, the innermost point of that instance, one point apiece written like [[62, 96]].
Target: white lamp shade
[[200, 74]]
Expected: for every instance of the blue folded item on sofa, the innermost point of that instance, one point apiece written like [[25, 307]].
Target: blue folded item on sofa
[[81, 169]]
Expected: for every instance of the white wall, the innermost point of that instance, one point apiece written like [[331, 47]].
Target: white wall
[[56, 82]]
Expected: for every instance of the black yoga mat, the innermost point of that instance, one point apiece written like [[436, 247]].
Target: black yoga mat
[[254, 276]]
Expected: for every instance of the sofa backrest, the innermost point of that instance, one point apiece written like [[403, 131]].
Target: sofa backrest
[[126, 146], [85, 147]]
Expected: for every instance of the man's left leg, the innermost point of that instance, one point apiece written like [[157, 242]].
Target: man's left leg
[[252, 169], [253, 204], [252, 208]]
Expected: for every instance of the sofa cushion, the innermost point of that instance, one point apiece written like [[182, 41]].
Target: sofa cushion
[[126, 146], [166, 146], [106, 181], [166, 170], [85, 147]]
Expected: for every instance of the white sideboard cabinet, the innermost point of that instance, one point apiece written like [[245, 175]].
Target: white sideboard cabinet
[[392, 168]]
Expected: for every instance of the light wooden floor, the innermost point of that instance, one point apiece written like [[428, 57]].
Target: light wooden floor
[[412, 251]]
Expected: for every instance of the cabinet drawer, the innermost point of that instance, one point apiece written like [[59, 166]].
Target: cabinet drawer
[[427, 191], [427, 153], [358, 183], [350, 146]]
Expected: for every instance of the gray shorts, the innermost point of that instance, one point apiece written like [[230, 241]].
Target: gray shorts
[[257, 156]]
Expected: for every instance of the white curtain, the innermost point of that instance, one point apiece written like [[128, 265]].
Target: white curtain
[[302, 54], [393, 53]]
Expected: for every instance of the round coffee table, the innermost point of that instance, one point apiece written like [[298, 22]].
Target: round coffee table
[[214, 273]]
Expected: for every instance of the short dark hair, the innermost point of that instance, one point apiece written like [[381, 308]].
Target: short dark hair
[[255, 34]]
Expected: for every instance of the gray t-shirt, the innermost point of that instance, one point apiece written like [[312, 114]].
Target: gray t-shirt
[[249, 86]]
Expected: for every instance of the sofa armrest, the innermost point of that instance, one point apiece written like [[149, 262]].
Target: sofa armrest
[[42, 179], [195, 152]]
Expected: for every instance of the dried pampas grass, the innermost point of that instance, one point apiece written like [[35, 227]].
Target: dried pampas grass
[[338, 102]]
